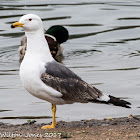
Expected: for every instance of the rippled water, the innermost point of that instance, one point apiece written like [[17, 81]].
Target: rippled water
[[103, 48]]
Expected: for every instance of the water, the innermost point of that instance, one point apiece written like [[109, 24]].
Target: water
[[103, 49]]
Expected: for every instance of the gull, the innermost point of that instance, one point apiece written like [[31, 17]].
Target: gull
[[45, 78]]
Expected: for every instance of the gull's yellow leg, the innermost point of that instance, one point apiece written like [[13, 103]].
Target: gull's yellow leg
[[54, 121]]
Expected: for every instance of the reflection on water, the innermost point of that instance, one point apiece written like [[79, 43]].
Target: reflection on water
[[110, 30], [103, 49], [27, 117], [12, 34], [4, 110]]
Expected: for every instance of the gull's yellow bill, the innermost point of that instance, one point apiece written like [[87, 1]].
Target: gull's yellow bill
[[17, 24]]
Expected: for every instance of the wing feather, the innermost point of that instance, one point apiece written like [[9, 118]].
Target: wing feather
[[72, 89]]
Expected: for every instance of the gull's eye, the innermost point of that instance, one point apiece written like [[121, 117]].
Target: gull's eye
[[30, 19]]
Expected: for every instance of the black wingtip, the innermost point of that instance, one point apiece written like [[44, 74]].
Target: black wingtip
[[119, 102], [113, 100]]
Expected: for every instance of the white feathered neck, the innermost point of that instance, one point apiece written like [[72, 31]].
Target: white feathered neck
[[38, 46]]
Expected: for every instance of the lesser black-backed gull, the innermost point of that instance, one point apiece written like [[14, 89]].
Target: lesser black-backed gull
[[49, 80]]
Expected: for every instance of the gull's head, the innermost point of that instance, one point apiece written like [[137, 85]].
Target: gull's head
[[29, 23]]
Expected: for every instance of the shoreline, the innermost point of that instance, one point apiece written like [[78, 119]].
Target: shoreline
[[123, 128]]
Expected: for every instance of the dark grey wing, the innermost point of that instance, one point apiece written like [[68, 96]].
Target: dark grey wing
[[58, 70], [74, 90]]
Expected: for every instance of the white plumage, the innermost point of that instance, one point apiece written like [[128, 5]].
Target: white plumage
[[33, 64]]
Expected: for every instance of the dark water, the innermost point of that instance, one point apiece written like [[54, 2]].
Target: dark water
[[104, 49]]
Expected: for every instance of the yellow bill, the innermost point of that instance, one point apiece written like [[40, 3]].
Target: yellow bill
[[17, 24]]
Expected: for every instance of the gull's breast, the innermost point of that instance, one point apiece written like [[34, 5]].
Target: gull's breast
[[30, 73]]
